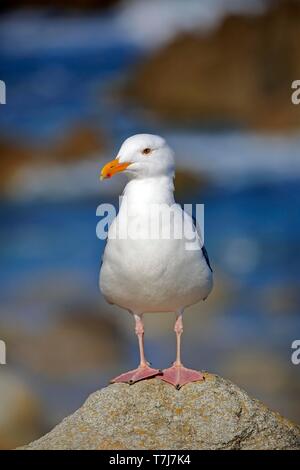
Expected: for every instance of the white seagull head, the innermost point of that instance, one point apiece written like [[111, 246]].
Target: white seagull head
[[142, 156]]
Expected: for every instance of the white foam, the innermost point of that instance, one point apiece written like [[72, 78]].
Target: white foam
[[239, 158], [153, 22]]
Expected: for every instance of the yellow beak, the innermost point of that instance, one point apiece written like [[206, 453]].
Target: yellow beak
[[111, 168]]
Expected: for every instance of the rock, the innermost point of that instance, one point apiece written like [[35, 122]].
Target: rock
[[25, 161], [189, 184], [77, 143], [214, 414], [282, 389], [77, 344], [282, 299], [239, 74], [20, 411], [13, 156]]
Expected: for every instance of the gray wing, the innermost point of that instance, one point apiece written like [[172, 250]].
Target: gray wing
[[205, 254], [204, 250]]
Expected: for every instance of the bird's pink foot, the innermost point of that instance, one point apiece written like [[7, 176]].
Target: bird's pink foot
[[141, 373], [178, 376]]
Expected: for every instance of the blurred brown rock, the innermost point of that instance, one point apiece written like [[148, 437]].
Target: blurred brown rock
[[267, 375], [188, 184], [151, 414], [12, 157], [78, 343], [77, 143], [281, 299], [20, 413], [239, 74]]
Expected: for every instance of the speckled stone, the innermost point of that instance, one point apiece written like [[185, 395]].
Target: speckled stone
[[213, 414]]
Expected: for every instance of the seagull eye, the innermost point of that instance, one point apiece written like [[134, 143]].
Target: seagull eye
[[146, 151]]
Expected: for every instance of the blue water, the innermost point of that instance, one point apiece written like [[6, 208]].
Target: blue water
[[46, 93]]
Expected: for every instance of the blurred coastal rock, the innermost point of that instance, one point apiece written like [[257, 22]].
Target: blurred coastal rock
[[239, 74], [214, 414], [189, 184], [77, 143], [20, 412], [281, 299], [24, 163], [248, 368], [13, 156], [77, 344]]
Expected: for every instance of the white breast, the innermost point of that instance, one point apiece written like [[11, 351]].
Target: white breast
[[151, 275]]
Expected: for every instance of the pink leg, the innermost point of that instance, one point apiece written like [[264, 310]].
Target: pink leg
[[144, 371], [178, 375]]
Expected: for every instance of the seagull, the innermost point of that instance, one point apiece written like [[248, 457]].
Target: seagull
[[143, 273]]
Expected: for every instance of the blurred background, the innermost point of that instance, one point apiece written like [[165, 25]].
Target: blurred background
[[214, 77]]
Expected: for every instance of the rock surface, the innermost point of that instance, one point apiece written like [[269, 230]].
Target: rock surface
[[21, 418], [240, 74], [77, 144], [76, 344], [214, 414]]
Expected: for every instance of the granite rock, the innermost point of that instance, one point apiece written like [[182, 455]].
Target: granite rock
[[238, 75], [213, 414]]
